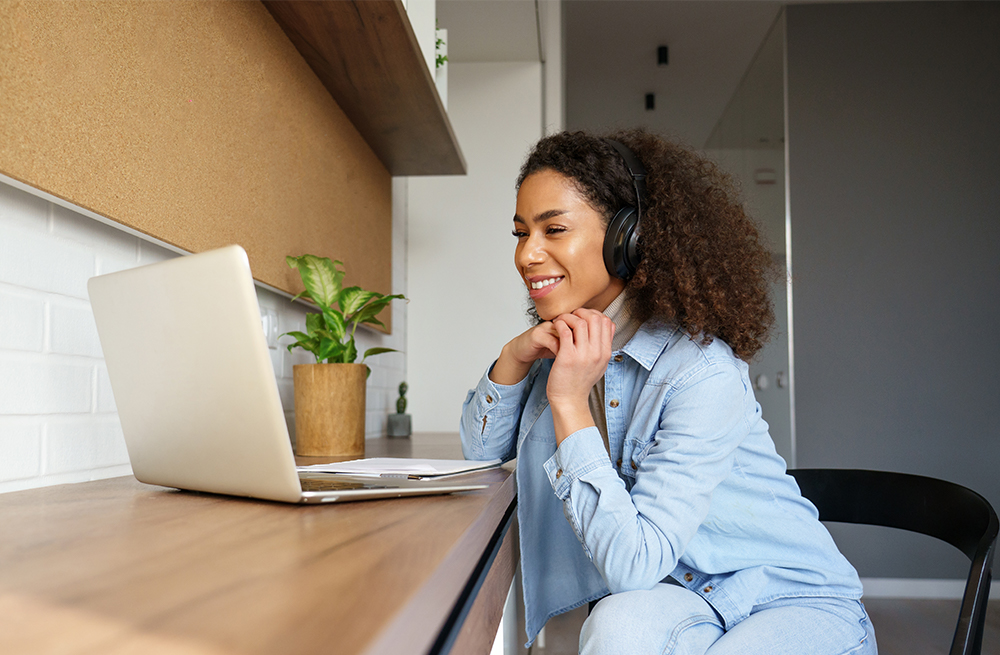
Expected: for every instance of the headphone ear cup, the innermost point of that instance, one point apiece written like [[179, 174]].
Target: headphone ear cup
[[621, 244]]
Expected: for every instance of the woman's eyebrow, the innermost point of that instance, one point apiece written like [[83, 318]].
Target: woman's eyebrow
[[544, 216]]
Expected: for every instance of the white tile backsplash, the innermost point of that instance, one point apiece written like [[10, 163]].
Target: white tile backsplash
[[72, 330], [24, 209], [20, 448], [83, 444], [150, 253], [105, 398], [42, 384], [58, 419], [22, 322], [42, 262], [106, 241]]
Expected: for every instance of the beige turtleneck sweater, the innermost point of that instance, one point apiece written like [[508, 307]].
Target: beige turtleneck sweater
[[625, 329]]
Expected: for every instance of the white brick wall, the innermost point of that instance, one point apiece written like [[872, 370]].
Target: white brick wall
[[58, 420]]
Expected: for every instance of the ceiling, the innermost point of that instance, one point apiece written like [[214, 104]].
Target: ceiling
[[611, 62], [490, 30], [610, 55]]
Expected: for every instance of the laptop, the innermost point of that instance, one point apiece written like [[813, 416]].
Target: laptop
[[196, 393]]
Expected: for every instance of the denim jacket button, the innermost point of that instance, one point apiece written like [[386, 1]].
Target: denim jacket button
[[489, 399], [558, 474], [618, 358], [613, 403], [688, 577], [618, 463], [635, 466], [707, 589]]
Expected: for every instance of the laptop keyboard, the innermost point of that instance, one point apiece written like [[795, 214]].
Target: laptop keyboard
[[322, 484]]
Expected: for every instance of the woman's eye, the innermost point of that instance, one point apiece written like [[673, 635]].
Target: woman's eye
[[519, 233], [555, 229]]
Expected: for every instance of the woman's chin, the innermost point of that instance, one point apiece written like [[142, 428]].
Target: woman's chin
[[552, 312], [547, 311]]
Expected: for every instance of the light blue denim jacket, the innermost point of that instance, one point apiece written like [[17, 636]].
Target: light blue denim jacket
[[693, 489]]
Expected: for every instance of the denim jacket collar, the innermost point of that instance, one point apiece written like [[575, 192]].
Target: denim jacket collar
[[648, 343]]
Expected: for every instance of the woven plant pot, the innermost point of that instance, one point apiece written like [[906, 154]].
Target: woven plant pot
[[330, 410]]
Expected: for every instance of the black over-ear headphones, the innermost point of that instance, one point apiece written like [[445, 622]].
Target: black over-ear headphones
[[621, 241]]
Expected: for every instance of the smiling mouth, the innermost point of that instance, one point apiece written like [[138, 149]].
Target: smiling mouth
[[541, 284]]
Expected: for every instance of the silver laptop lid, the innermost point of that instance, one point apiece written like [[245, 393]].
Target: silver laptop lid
[[192, 377]]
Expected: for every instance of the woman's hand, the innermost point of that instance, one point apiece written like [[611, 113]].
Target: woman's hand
[[516, 358], [581, 360]]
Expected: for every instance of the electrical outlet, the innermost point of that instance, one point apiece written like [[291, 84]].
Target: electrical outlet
[[269, 323]]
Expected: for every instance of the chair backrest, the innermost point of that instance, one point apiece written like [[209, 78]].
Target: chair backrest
[[941, 509]]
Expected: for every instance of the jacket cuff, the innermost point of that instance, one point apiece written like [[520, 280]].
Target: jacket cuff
[[500, 399], [578, 454]]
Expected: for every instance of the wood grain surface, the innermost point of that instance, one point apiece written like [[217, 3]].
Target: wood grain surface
[[375, 71], [114, 566], [480, 627]]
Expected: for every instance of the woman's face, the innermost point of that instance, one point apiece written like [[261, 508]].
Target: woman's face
[[560, 240]]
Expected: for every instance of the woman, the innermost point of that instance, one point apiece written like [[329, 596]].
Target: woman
[[646, 475]]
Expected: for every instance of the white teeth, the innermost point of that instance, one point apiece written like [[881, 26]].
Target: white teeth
[[544, 283]]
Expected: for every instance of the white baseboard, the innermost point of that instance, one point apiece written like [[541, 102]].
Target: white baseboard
[[918, 588]]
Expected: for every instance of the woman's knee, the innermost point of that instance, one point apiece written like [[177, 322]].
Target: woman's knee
[[831, 626], [666, 619]]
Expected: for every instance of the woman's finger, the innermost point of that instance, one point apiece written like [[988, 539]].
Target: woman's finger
[[600, 328], [572, 320], [581, 331], [597, 325], [563, 332], [548, 340]]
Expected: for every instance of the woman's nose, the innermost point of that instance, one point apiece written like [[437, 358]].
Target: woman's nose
[[531, 251]]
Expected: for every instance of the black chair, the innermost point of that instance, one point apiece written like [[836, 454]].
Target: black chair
[[940, 509]]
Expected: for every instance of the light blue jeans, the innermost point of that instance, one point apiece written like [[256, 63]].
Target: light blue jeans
[[671, 620]]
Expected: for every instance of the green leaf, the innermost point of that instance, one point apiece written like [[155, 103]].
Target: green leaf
[[335, 323], [325, 334], [314, 323], [329, 350], [307, 344], [354, 298], [377, 351], [330, 335], [320, 276], [300, 336], [350, 353], [370, 310], [374, 321]]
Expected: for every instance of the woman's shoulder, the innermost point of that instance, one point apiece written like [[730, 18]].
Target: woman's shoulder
[[682, 355]]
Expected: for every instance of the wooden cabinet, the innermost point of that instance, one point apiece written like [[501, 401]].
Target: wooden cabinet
[[366, 55]]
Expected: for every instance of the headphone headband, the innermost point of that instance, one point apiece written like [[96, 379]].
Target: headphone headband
[[635, 169]]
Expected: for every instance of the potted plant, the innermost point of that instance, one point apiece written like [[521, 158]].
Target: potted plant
[[330, 394], [399, 423]]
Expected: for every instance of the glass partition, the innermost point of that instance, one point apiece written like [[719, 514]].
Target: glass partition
[[749, 143]]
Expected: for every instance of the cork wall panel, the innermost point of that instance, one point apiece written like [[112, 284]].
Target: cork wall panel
[[197, 123]]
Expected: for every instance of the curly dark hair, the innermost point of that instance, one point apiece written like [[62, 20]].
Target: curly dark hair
[[704, 266]]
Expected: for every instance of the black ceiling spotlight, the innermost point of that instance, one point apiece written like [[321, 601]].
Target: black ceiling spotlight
[[662, 56], [650, 101]]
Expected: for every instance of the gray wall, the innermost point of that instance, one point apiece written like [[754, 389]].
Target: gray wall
[[894, 153]]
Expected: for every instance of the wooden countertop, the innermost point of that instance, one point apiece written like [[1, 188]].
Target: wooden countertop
[[115, 566]]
